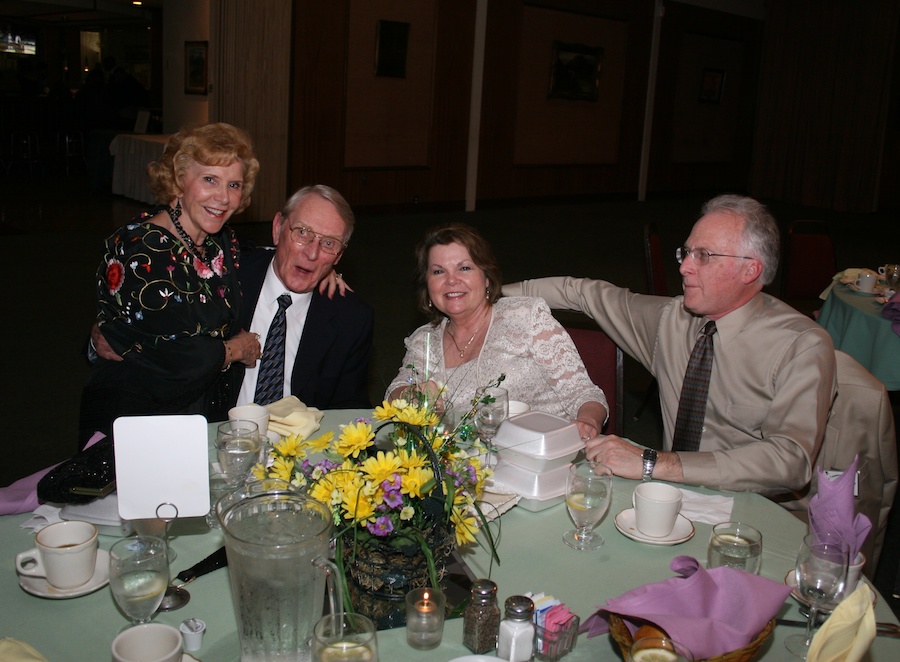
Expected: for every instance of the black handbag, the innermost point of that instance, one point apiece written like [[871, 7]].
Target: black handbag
[[86, 476]]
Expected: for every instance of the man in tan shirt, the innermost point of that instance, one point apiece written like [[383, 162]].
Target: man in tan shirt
[[773, 371]]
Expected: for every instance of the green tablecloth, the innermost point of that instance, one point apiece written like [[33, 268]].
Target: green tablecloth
[[856, 326], [533, 558]]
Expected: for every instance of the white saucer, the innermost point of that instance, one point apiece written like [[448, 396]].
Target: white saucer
[[475, 658], [683, 531], [790, 579], [41, 587], [877, 291], [273, 436]]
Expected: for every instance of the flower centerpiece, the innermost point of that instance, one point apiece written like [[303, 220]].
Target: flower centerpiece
[[401, 499]]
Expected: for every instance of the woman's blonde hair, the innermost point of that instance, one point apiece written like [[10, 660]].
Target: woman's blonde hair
[[216, 144]]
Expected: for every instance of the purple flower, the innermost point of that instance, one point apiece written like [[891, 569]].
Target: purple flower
[[382, 526]]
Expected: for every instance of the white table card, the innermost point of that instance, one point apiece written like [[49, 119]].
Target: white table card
[[161, 466]]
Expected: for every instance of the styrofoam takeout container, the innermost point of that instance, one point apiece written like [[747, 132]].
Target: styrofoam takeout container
[[538, 490], [538, 441]]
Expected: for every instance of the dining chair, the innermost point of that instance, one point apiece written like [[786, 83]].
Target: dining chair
[[809, 265], [861, 423], [605, 365], [656, 284]]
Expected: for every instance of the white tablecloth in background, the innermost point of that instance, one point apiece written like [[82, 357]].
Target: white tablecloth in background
[[131, 154]]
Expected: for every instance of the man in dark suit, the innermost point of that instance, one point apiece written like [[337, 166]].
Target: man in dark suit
[[328, 340]]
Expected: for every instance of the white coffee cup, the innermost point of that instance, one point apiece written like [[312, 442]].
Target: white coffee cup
[[866, 282], [66, 554], [656, 507], [252, 412], [149, 642], [517, 407]]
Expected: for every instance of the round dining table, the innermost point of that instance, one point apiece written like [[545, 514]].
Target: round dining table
[[854, 321], [533, 558]]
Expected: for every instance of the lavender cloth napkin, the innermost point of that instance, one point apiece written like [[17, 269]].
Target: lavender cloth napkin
[[831, 509], [699, 609], [891, 311], [21, 496]]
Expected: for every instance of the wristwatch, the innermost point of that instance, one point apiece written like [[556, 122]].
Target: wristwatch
[[649, 463]]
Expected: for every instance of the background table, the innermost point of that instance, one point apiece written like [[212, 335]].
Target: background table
[[131, 154], [533, 558], [857, 327]]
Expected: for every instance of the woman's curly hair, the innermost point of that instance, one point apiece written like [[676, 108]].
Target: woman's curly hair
[[216, 144]]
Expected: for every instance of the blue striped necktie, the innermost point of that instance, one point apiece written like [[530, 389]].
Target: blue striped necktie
[[270, 381], [694, 391]]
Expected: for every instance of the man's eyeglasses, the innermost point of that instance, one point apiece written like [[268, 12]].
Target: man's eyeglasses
[[302, 235], [701, 255]]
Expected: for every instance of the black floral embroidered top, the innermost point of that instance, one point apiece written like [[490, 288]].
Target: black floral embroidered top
[[164, 310]]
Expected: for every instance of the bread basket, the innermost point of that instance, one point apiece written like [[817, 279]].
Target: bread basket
[[622, 635]]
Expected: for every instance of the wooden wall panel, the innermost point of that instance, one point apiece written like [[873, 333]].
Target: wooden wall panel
[[388, 119], [697, 145], [500, 177], [321, 59], [250, 77], [568, 131]]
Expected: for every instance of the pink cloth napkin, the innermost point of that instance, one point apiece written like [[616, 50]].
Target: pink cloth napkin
[[699, 609], [21, 496], [831, 510], [891, 311]]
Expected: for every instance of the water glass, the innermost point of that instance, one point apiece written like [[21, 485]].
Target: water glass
[[492, 411], [588, 493], [735, 545], [138, 576], [341, 636], [238, 447]]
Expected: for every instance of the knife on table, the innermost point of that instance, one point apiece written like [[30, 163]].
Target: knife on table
[[214, 561]]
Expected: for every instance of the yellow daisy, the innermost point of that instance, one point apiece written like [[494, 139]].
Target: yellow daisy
[[381, 467], [354, 438]]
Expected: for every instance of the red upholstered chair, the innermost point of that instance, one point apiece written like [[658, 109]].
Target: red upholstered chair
[[605, 366], [809, 265]]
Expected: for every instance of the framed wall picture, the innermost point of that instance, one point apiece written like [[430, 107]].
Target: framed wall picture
[[391, 45], [195, 66], [575, 71], [711, 85]]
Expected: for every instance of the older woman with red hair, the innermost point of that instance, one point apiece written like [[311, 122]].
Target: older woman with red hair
[[168, 291]]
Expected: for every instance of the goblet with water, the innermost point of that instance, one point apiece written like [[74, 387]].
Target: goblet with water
[[821, 574], [588, 493], [238, 446], [138, 576], [493, 410]]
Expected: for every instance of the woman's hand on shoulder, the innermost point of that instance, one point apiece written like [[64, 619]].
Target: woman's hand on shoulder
[[333, 281]]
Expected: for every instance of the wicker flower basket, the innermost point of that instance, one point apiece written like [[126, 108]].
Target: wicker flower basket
[[622, 635], [380, 575]]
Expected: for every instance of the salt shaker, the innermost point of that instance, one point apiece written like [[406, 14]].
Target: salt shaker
[[516, 640], [481, 620]]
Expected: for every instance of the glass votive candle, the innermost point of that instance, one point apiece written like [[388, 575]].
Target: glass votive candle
[[659, 648], [425, 618]]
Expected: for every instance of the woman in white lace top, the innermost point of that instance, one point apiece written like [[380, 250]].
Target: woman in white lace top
[[475, 336]]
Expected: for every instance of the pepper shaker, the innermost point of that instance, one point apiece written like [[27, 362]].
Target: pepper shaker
[[516, 639], [481, 619]]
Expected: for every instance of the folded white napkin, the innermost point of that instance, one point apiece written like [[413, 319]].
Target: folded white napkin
[[13, 650], [289, 416], [707, 508], [43, 515], [493, 504], [848, 632]]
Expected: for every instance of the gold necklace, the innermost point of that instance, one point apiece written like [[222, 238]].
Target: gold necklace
[[462, 352]]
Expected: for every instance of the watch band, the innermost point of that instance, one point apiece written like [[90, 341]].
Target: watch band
[[649, 458]]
